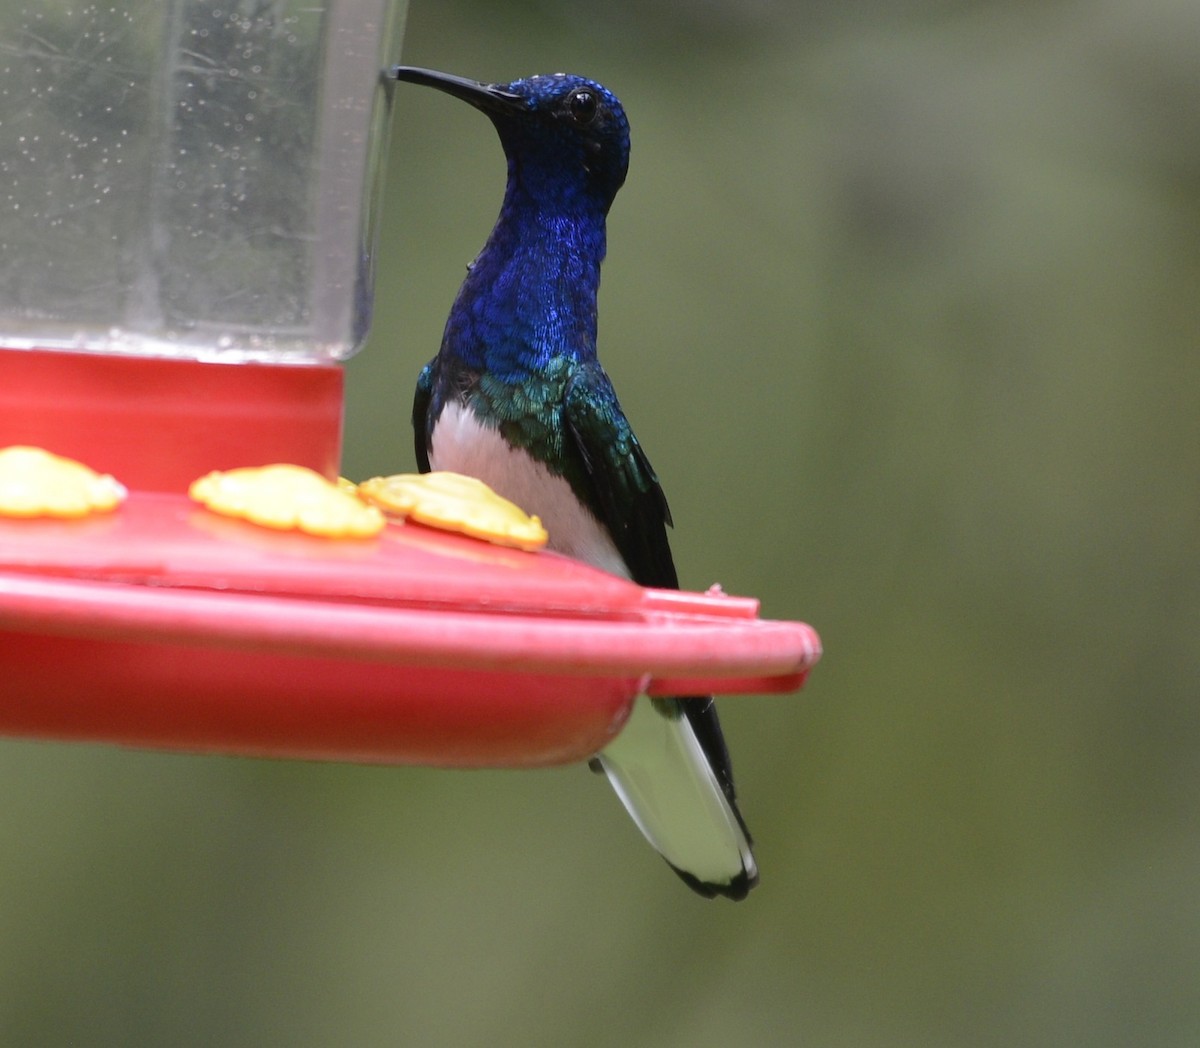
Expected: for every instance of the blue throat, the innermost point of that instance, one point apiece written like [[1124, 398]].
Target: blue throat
[[529, 298]]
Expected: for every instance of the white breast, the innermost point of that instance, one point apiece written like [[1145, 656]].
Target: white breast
[[462, 444]]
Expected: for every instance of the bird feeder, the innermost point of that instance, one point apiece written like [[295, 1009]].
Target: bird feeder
[[187, 192]]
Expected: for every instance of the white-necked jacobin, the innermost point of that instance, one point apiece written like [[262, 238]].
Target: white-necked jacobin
[[517, 398]]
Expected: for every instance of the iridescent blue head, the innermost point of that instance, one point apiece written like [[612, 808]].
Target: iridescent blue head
[[564, 135]]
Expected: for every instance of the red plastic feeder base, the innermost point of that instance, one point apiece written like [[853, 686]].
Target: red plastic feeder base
[[164, 625]]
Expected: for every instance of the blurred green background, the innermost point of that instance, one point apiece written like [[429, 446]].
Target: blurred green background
[[902, 300]]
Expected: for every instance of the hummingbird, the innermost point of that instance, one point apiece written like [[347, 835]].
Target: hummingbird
[[517, 398]]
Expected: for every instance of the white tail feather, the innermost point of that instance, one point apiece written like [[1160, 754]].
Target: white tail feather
[[663, 778]]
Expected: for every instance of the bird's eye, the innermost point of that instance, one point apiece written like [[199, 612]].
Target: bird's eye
[[582, 106]]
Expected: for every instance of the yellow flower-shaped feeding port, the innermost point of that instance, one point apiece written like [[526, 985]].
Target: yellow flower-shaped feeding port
[[453, 502], [286, 498], [35, 483]]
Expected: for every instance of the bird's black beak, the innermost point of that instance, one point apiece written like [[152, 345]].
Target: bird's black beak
[[491, 98]]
